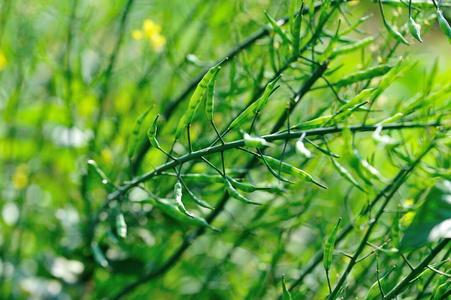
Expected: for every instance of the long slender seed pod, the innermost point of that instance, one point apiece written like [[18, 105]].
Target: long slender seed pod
[[364, 75], [346, 174], [443, 24], [398, 36], [375, 291], [173, 211], [245, 187], [297, 31], [255, 107], [134, 138], [330, 48], [362, 96], [276, 27], [178, 199], [195, 198], [235, 194], [204, 178], [329, 248], [353, 47], [291, 170], [210, 103], [355, 25], [196, 99], [152, 133], [414, 29], [285, 293]]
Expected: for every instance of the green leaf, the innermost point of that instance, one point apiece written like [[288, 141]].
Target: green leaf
[[433, 218], [285, 293]]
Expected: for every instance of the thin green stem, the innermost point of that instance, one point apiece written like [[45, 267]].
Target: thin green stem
[[394, 189], [418, 269]]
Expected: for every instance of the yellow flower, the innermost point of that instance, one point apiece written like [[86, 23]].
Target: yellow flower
[[137, 34], [3, 61], [157, 42], [151, 31], [107, 155], [20, 177], [150, 28]]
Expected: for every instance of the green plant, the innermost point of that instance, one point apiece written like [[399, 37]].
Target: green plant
[[310, 119]]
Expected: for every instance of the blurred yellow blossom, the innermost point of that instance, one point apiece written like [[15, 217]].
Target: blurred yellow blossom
[[137, 34], [150, 31], [157, 42], [3, 61], [20, 177], [150, 28], [107, 155]]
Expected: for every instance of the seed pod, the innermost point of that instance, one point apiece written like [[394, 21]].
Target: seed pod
[[195, 199], [362, 96], [255, 107], [210, 103], [99, 257], [291, 170], [396, 34], [121, 226], [195, 100], [276, 27], [173, 211], [329, 248], [205, 178], [320, 121], [374, 290], [134, 138], [355, 25], [178, 199], [245, 187], [297, 31], [443, 24], [414, 29], [330, 48], [274, 173], [285, 293], [346, 175], [352, 47], [255, 141], [152, 133], [301, 150], [235, 194], [364, 75]]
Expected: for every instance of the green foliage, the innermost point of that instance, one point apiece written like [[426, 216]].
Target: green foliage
[[114, 186]]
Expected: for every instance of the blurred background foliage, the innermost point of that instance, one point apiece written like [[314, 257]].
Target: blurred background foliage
[[76, 74]]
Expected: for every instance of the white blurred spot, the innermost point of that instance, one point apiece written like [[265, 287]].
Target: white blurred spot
[[10, 213]]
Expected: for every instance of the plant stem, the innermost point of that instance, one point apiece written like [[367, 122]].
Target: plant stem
[[393, 189]]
